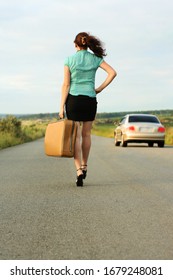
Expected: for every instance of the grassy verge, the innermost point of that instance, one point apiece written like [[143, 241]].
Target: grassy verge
[[169, 136], [8, 140], [33, 130], [105, 130], [27, 131]]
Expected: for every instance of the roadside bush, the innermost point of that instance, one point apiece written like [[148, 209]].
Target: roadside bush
[[13, 131], [33, 131], [10, 125]]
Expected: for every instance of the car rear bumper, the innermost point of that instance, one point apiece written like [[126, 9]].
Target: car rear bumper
[[144, 138]]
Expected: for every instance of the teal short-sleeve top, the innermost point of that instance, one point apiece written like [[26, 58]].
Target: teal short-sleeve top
[[83, 66]]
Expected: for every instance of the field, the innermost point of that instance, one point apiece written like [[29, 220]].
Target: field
[[15, 130]]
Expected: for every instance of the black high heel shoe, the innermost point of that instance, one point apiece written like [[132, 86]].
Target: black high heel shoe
[[84, 170], [79, 180]]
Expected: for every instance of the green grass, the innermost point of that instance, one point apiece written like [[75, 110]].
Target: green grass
[[169, 136], [105, 130], [30, 130], [8, 140]]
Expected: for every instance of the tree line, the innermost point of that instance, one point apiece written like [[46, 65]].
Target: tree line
[[104, 115]]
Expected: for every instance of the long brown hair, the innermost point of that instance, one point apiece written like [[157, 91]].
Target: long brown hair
[[85, 40]]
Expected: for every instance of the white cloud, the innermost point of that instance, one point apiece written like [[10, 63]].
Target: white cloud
[[15, 82]]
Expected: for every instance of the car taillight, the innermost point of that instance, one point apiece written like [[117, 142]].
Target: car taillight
[[131, 128], [161, 129]]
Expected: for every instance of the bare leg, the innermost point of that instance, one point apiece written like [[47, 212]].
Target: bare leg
[[86, 141], [77, 152]]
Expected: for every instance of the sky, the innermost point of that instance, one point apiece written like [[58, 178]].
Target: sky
[[37, 35]]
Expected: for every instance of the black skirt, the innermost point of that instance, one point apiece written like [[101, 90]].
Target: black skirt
[[81, 108]]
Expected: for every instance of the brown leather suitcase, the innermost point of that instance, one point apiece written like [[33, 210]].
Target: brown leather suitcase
[[60, 138]]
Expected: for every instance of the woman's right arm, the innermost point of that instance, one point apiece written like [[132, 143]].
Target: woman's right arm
[[111, 75]]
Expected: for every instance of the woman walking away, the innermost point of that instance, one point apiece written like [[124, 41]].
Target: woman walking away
[[79, 94]]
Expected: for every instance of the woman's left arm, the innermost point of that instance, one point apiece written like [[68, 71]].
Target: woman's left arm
[[64, 90], [111, 74]]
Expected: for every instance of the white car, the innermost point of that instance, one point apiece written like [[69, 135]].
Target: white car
[[139, 128]]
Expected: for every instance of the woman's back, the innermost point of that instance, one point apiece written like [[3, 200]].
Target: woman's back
[[83, 66]]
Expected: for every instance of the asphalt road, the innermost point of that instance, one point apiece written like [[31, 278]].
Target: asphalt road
[[124, 211]]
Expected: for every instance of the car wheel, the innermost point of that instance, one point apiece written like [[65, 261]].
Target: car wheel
[[123, 143], [150, 144], [161, 144], [117, 143]]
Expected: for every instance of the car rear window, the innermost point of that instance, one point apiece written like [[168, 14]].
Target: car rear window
[[148, 119]]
